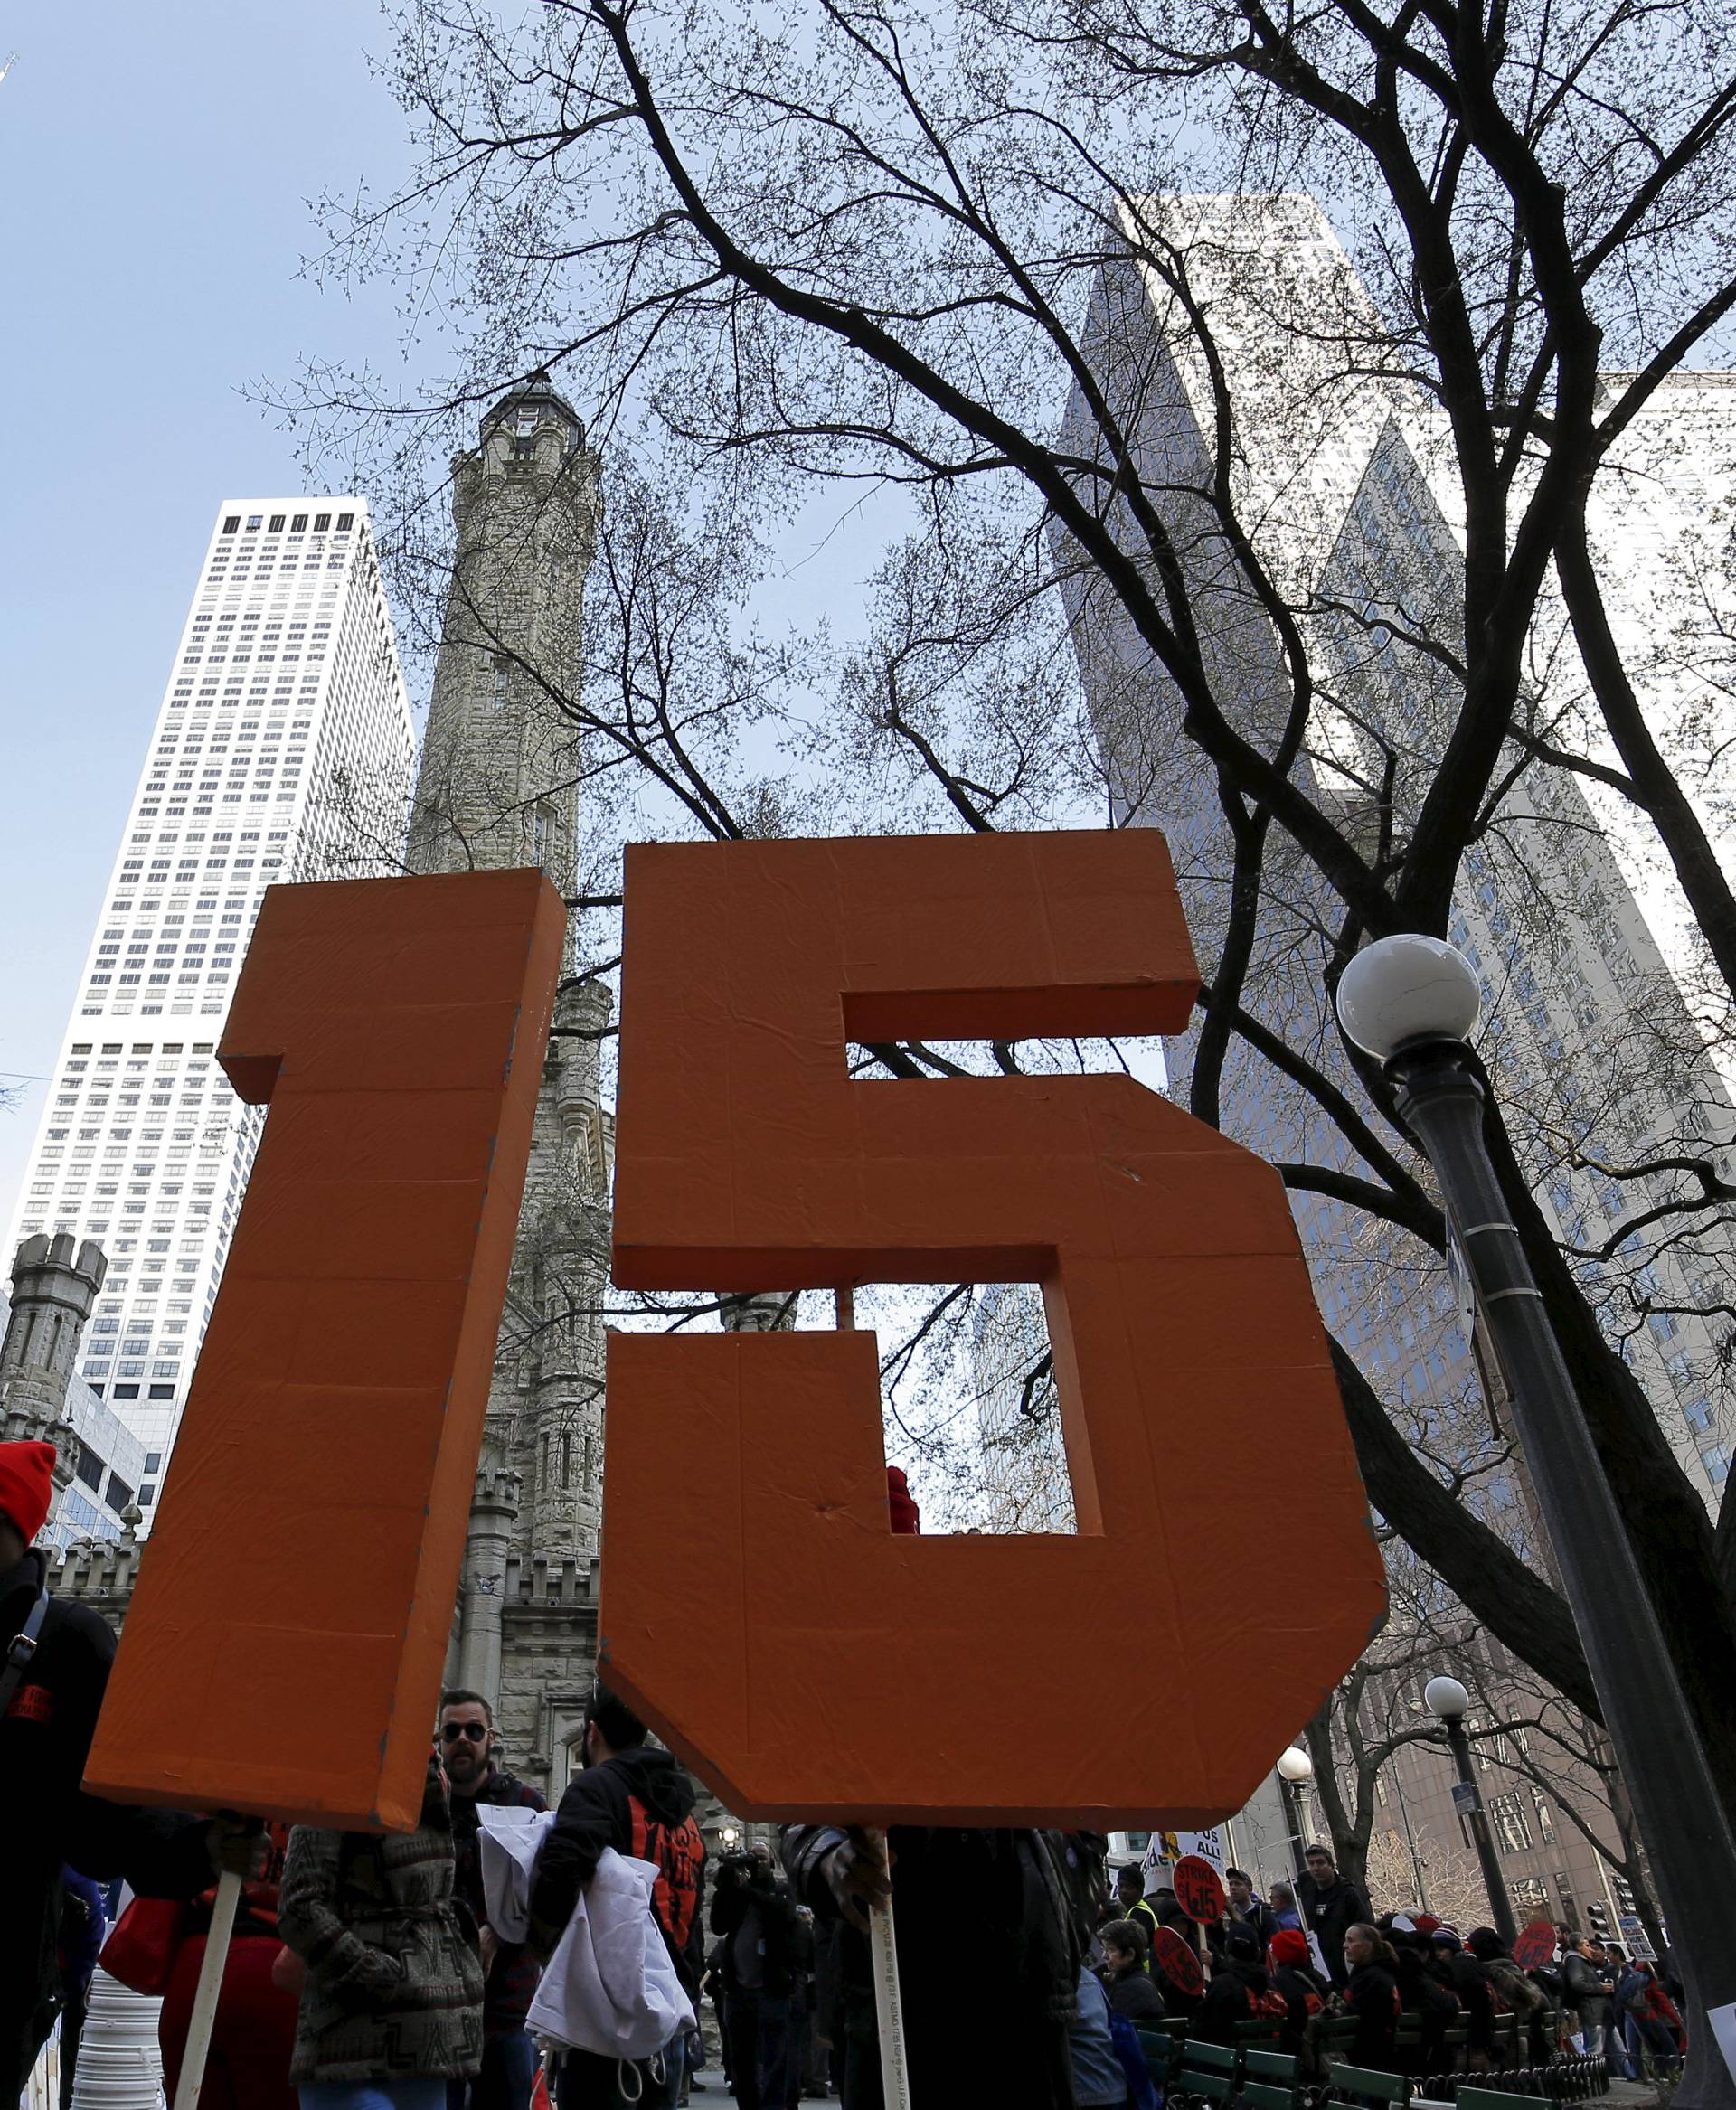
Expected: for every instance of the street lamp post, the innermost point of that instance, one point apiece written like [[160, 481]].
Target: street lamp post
[[1295, 1770], [1411, 1001], [1448, 1701]]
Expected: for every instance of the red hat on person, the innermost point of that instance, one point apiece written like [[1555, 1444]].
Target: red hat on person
[[1288, 1946], [26, 1485], [907, 1519]]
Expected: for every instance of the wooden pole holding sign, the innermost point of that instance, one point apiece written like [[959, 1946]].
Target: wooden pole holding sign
[[209, 1987], [882, 1933]]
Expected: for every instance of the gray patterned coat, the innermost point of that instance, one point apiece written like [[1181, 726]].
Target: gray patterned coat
[[394, 1986]]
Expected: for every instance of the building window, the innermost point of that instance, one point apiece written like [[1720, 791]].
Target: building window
[[276, 524], [321, 523], [344, 521], [1507, 1814], [542, 833], [231, 523]]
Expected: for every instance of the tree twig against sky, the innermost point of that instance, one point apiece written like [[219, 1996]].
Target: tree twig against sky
[[783, 254]]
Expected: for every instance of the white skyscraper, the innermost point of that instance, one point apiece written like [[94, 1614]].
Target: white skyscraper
[[285, 714]]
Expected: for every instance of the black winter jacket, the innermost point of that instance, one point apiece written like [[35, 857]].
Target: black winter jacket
[[1331, 1913], [1586, 1989], [1435, 2006], [1230, 1999], [48, 1819], [1304, 1993], [1372, 1997], [1133, 1994], [640, 1803], [754, 1903], [1016, 1979], [1464, 1977]]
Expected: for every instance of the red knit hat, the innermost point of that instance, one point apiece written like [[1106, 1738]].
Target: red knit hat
[[907, 1519], [1288, 1946], [26, 1485]]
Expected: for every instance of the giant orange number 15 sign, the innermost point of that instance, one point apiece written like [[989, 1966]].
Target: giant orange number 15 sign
[[757, 1606]]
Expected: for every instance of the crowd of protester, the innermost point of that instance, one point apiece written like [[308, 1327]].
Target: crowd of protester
[[1404, 1980], [366, 1974]]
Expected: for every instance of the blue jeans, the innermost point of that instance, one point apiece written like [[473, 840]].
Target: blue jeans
[[418, 2095], [508, 2076]]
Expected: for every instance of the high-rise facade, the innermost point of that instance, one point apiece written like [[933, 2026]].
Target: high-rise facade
[[1344, 478], [285, 696], [497, 785], [1587, 1026]]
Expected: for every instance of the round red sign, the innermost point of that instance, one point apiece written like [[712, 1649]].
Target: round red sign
[[1171, 1955], [1198, 1889]]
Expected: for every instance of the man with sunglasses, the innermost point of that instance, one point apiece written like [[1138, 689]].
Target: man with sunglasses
[[469, 1742]]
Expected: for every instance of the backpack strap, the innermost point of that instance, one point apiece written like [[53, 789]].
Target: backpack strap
[[21, 1649]]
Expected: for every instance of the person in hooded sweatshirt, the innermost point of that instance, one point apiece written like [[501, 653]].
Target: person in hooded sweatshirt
[[640, 1802], [1297, 1984], [1239, 1983]]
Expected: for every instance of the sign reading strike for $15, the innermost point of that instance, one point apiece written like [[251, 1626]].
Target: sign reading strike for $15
[[757, 1607]]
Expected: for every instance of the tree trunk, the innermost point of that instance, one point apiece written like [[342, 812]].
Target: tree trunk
[[1349, 1833]]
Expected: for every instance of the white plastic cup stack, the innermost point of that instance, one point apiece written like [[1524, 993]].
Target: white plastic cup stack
[[119, 2066]]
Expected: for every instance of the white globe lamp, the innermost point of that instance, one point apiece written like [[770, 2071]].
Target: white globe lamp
[[1447, 1699], [1295, 1766], [1405, 989]]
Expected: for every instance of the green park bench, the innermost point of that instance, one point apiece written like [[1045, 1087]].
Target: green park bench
[[1363, 2085]]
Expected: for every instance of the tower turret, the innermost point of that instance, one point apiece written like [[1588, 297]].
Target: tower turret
[[55, 1283], [497, 785]]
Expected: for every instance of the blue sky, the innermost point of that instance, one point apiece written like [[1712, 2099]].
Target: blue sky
[[153, 184], [154, 167]]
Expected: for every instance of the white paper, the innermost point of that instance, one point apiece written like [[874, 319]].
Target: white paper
[[1724, 2028], [510, 1842]]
